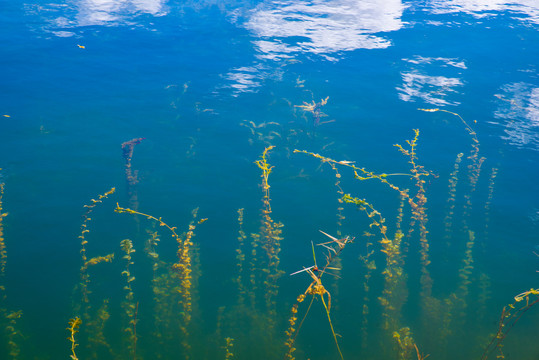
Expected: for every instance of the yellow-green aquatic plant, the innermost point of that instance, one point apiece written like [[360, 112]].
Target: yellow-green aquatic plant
[[131, 176], [395, 248], [270, 238], [510, 315], [369, 266], [240, 259], [95, 328], [453, 181], [129, 305], [228, 348], [13, 334], [85, 262], [491, 181], [8, 319], [395, 293], [3, 252], [181, 272], [474, 169], [419, 214], [315, 108], [334, 247], [73, 329]]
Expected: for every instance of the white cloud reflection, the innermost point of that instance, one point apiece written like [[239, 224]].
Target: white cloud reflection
[[527, 9], [102, 12], [518, 110], [61, 17], [322, 27], [243, 79], [419, 86]]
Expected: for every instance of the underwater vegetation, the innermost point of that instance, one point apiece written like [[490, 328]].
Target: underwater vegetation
[[398, 311]]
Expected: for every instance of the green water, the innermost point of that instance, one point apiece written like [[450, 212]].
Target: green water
[[441, 243]]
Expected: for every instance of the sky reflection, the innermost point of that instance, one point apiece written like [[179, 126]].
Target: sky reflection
[[526, 9], [101, 12], [61, 18], [518, 112], [420, 85], [283, 29]]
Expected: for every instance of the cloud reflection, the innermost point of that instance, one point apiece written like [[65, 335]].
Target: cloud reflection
[[322, 27], [102, 12], [518, 109], [483, 8], [417, 85], [61, 17], [244, 79]]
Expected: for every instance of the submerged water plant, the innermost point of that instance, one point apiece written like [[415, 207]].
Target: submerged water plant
[[334, 248]]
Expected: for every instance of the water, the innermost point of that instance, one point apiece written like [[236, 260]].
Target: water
[[209, 85]]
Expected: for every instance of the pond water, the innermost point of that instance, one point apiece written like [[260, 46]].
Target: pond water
[[278, 121]]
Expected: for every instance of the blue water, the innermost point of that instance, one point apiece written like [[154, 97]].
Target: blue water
[[209, 85]]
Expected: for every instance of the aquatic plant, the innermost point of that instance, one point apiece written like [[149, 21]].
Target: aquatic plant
[[256, 277], [474, 169], [85, 262], [419, 212], [270, 237], [334, 248], [131, 176], [130, 307], [395, 293], [369, 266], [82, 306], [253, 322], [14, 336], [491, 183], [315, 108], [510, 315], [8, 318], [265, 132], [3, 251], [180, 275], [95, 328], [240, 259], [73, 329], [453, 180], [228, 348]]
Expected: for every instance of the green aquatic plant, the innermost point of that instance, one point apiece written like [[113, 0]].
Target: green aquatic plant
[[456, 304], [395, 293], [256, 277], [265, 132], [453, 181], [95, 320], [73, 329], [240, 260], [229, 344], [510, 315], [85, 262], [419, 212], [129, 305], [3, 251], [8, 318], [96, 327], [180, 276], [131, 176], [369, 265], [491, 184], [474, 169], [14, 336], [315, 108], [270, 238], [334, 248]]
